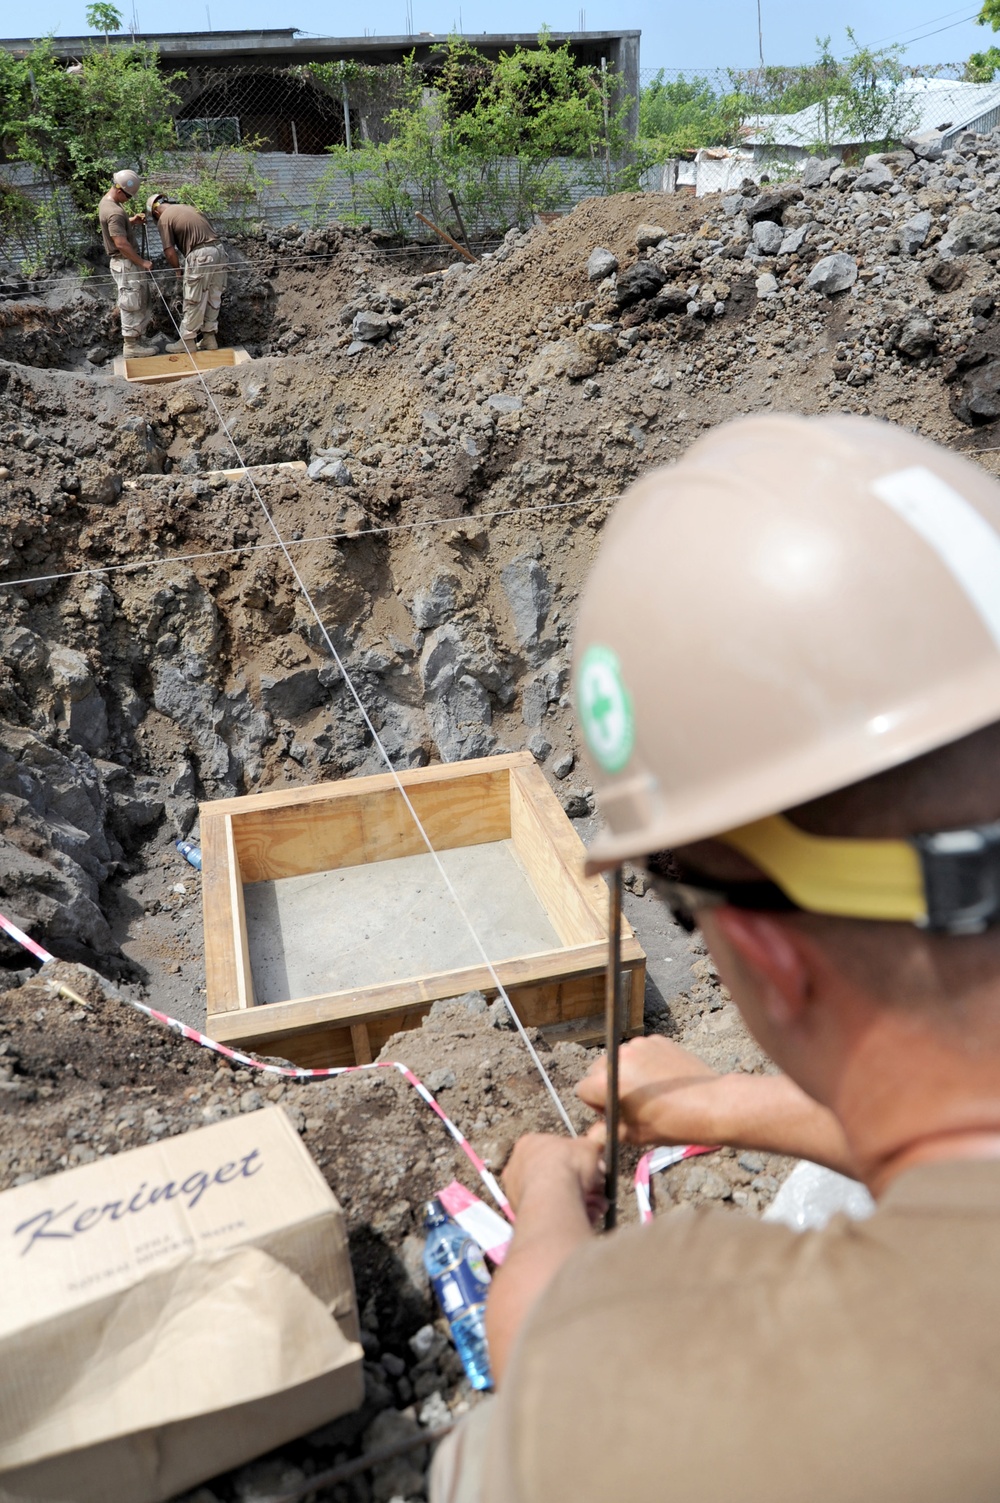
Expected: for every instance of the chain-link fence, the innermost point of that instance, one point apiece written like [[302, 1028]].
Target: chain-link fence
[[262, 146]]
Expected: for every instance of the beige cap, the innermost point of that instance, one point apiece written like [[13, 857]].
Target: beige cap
[[796, 605]]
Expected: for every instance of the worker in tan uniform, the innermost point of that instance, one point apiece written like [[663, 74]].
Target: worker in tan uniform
[[787, 674], [184, 231], [128, 268]]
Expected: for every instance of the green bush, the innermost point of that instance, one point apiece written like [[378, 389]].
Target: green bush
[[76, 128]]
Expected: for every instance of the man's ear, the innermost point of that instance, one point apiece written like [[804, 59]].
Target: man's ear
[[768, 949]]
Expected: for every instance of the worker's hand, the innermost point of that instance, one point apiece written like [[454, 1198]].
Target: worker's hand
[[137, 219], [544, 1166], [147, 265], [666, 1095]]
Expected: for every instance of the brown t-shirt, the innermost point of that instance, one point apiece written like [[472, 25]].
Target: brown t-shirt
[[184, 228], [715, 1359], [114, 221]]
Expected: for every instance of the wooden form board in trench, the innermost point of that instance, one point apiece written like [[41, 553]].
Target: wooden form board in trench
[[270, 836]]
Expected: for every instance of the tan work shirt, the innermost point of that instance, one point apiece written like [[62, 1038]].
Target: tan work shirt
[[114, 221], [184, 228], [714, 1359]]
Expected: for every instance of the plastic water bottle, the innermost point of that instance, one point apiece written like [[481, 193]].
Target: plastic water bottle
[[455, 1267], [191, 853]]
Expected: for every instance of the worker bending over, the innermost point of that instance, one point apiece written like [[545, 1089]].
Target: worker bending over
[[128, 267], [185, 229], [788, 677]]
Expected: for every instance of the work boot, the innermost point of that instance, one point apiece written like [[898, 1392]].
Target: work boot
[[182, 345], [134, 349], [209, 342]]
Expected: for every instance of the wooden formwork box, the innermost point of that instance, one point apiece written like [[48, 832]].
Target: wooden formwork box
[[268, 836]]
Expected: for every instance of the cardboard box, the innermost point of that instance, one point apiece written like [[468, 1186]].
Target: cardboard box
[[170, 1312]]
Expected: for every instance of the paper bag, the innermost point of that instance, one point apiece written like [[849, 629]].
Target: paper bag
[[171, 1312]]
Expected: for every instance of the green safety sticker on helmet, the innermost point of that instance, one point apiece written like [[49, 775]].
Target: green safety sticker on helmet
[[605, 708]]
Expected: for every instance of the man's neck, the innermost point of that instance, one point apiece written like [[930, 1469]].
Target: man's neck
[[939, 1149], [909, 1094]]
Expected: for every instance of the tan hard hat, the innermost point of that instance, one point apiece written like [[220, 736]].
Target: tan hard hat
[[153, 200], [798, 604], [127, 181]]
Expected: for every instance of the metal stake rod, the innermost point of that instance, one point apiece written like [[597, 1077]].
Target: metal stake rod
[[612, 1018]]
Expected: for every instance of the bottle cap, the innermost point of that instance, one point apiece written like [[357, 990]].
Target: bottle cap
[[434, 1213]]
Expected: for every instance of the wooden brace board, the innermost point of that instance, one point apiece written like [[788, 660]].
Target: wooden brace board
[[294, 832], [154, 370]]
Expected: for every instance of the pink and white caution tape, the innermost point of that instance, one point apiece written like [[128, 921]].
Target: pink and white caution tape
[[23, 939], [290, 1072], [661, 1158]]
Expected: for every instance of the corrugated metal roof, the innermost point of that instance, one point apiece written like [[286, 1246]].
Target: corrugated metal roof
[[936, 106]]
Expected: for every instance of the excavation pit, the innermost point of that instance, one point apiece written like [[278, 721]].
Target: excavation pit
[[328, 926]]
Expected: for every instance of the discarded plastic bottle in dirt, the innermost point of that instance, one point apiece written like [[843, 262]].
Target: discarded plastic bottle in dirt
[[191, 853], [455, 1267]]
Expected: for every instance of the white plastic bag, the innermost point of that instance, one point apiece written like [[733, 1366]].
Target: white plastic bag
[[811, 1195]]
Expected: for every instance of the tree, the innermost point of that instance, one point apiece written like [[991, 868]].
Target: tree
[[871, 109], [499, 135], [75, 129], [104, 18], [982, 66]]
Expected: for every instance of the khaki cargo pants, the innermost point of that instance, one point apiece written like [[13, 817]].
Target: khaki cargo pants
[[205, 275], [133, 297], [458, 1469]]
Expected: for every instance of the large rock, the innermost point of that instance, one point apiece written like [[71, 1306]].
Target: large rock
[[945, 276], [371, 327], [601, 263], [971, 230], [530, 596], [833, 274], [913, 232], [977, 398], [767, 237], [648, 235], [505, 403], [54, 846], [437, 602], [874, 179], [641, 281], [915, 336], [670, 299], [794, 239], [292, 696], [81, 711], [772, 204], [817, 171]]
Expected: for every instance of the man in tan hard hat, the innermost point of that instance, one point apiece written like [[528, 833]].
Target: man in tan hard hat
[[788, 677], [128, 267], [185, 229]]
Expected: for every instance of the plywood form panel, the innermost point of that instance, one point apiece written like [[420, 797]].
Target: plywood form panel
[[554, 868], [241, 944], [221, 984], [364, 826]]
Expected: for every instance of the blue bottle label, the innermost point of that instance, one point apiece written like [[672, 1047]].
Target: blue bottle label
[[464, 1283]]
